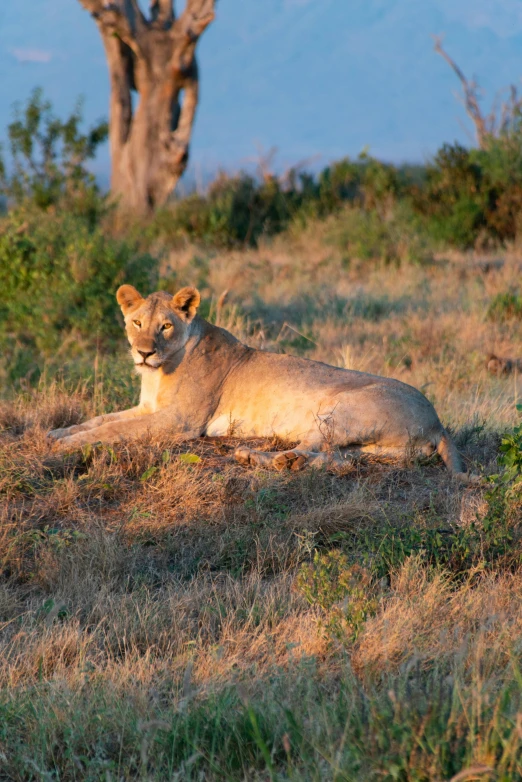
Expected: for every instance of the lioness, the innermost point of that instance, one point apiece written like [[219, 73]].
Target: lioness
[[197, 379]]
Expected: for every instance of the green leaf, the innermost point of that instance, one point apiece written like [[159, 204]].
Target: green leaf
[[165, 457], [148, 473], [189, 458]]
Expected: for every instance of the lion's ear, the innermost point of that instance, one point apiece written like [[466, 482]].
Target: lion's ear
[[185, 303], [128, 298]]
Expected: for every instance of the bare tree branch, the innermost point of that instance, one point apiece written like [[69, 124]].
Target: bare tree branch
[[471, 98], [186, 30], [135, 16], [183, 132], [92, 6], [511, 110], [287, 177], [119, 59], [196, 17], [126, 22], [162, 12]]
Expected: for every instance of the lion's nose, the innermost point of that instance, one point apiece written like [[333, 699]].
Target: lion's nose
[[146, 353]]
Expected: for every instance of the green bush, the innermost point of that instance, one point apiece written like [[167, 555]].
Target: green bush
[[511, 455], [236, 211], [473, 196], [367, 235], [58, 279], [345, 593], [452, 199], [239, 210], [48, 159], [463, 198], [501, 164], [501, 524]]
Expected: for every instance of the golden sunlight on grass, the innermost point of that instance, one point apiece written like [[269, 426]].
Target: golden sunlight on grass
[[171, 618]]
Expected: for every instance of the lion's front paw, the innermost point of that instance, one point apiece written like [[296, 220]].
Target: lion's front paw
[[289, 460], [59, 434], [68, 431], [280, 460], [242, 455], [68, 442]]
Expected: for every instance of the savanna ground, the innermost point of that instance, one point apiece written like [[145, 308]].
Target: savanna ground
[[168, 614]]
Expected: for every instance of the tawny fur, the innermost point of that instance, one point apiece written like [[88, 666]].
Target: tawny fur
[[197, 379]]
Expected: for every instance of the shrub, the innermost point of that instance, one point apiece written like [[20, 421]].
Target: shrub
[[501, 164], [48, 159], [473, 195], [453, 199], [343, 592], [501, 524], [511, 455], [366, 235], [364, 182], [237, 210], [250, 209], [58, 279]]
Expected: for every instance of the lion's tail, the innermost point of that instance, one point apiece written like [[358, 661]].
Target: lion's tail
[[447, 450]]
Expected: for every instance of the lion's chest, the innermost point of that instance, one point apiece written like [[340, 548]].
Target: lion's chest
[[150, 388]]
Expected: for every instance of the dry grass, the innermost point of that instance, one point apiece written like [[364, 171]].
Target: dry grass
[[150, 622], [480, 618]]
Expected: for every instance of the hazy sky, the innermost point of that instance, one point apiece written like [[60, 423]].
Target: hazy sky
[[316, 78]]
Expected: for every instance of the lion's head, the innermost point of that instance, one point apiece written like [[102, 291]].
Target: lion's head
[[157, 326]]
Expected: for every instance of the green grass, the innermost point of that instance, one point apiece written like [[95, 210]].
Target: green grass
[[415, 726]]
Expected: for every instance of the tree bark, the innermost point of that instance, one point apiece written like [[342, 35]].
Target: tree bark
[[155, 57]]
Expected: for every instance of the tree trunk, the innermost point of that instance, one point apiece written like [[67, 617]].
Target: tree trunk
[[155, 57]]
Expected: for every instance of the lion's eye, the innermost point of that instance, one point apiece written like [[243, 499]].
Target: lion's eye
[[167, 326], [137, 323]]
